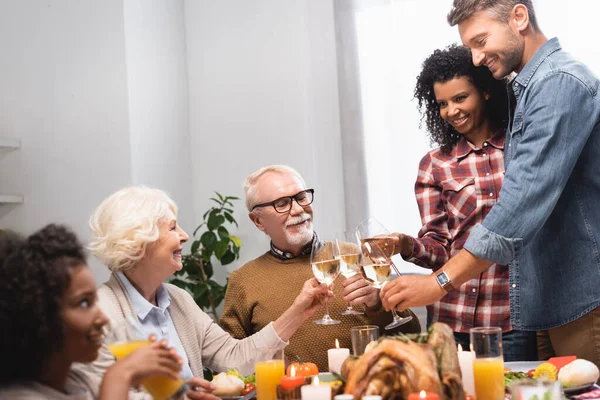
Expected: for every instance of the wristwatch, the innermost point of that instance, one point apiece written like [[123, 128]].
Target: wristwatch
[[444, 280]]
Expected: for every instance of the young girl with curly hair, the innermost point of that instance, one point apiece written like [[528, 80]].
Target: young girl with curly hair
[[50, 320], [466, 113]]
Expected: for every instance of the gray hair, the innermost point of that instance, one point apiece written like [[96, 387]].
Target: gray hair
[[500, 9], [252, 180], [125, 223]]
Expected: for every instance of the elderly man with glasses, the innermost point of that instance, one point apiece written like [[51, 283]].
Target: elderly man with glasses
[[280, 205]]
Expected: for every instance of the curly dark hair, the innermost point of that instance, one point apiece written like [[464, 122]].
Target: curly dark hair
[[34, 276], [454, 62]]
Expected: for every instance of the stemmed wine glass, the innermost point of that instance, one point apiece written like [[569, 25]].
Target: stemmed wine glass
[[377, 246], [326, 267], [349, 256]]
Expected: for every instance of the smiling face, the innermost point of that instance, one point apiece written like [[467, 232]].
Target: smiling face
[[461, 105], [164, 255], [289, 231], [82, 318], [495, 45]]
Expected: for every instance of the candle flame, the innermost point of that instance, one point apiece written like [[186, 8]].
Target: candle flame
[[315, 381], [460, 348], [292, 371], [422, 394], [337, 344]]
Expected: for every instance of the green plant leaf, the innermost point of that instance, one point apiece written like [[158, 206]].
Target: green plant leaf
[[214, 221], [228, 257], [232, 198], [200, 226], [221, 248], [209, 240], [179, 283], [216, 201], [223, 233], [195, 246], [236, 241], [201, 296], [208, 269], [230, 218], [219, 194]]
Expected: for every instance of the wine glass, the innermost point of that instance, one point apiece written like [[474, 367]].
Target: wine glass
[[349, 256], [126, 337], [378, 246], [325, 267]]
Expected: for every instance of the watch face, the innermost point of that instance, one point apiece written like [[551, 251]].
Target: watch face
[[442, 279]]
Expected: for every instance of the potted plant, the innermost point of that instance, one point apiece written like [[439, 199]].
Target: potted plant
[[215, 243]]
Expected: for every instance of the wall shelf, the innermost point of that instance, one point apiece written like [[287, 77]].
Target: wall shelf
[[9, 144], [11, 199]]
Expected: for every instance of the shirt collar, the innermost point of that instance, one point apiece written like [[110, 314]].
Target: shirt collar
[[142, 306], [286, 255], [464, 147], [538, 58]]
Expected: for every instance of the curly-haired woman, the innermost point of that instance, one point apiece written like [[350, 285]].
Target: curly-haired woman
[[50, 320], [466, 113]]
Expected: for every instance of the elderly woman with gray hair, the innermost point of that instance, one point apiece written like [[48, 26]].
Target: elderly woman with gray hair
[[136, 235]]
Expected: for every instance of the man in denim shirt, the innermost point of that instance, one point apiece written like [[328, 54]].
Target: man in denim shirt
[[546, 223]]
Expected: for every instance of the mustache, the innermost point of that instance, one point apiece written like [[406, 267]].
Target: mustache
[[297, 220]]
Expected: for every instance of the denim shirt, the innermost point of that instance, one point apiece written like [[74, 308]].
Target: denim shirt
[[547, 221]]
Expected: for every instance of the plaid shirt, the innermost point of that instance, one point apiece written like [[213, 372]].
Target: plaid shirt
[[454, 192]]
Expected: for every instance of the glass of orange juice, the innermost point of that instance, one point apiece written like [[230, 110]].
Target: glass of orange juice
[[488, 366], [126, 338], [268, 374]]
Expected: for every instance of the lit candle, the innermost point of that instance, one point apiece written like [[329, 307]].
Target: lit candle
[[423, 395], [292, 381], [315, 391], [337, 357], [465, 360]]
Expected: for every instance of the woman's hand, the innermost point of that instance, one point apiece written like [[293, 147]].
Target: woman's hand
[[156, 359], [312, 296], [403, 244], [200, 389]]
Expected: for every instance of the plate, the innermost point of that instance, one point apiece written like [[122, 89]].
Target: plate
[[574, 389], [524, 366]]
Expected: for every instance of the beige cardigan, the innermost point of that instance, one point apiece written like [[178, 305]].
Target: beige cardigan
[[204, 342]]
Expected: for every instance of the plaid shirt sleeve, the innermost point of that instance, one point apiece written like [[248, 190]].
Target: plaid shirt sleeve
[[431, 249]]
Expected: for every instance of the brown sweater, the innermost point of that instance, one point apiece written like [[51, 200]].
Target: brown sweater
[[261, 290]]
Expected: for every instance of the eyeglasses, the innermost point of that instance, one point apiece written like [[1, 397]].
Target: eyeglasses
[[284, 204]]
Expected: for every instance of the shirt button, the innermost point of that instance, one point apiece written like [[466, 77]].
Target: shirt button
[[509, 145], [484, 144], [487, 174], [484, 155], [514, 285], [473, 290], [491, 194]]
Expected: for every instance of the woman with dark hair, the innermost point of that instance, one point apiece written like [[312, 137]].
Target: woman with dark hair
[[466, 113], [50, 320]]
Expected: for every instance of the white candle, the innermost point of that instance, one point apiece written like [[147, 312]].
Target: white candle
[[315, 391], [337, 357], [465, 360]]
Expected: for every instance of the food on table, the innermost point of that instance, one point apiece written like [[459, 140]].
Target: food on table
[[560, 362], [578, 372], [303, 368], [546, 371], [247, 389], [512, 376], [227, 385], [399, 366]]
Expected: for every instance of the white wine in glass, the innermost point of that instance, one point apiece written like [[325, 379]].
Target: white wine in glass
[[377, 244], [325, 267], [349, 256]]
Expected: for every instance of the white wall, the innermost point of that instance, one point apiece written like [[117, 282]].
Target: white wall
[[64, 94], [263, 90], [157, 86]]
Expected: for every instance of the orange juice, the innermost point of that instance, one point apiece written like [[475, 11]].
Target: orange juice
[[268, 376], [160, 387], [488, 374]]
